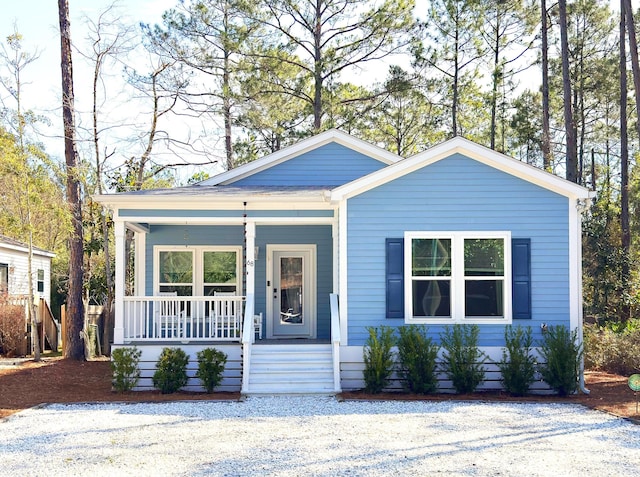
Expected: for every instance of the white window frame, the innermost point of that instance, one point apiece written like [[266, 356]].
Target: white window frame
[[457, 289], [197, 285]]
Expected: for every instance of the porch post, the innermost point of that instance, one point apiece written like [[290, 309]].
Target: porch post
[[118, 331], [139, 264], [250, 235]]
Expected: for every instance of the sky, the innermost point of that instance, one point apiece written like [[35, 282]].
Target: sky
[[37, 21]]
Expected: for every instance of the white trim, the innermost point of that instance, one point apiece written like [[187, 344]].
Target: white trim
[[311, 274], [575, 267], [177, 220], [197, 284], [212, 201], [459, 145], [25, 249], [343, 275], [314, 142], [457, 278]]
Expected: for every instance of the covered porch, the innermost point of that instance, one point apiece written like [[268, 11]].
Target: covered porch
[[201, 289]]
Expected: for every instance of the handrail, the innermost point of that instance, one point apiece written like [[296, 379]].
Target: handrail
[[248, 337], [335, 340], [248, 334], [49, 325]]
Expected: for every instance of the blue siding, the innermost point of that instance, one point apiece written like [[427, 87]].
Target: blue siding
[[328, 165], [320, 235], [457, 194]]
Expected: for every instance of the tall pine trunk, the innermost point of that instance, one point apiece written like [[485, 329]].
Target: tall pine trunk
[[546, 130], [570, 129], [625, 13], [74, 348]]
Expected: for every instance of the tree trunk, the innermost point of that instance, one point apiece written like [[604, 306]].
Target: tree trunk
[[625, 311], [75, 310], [546, 134], [633, 52], [570, 129], [317, 70], [494, 90]]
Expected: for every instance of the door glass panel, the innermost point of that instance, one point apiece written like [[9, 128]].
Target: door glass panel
[[291, 290]]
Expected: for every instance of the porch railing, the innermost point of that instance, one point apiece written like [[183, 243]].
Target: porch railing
[[178, 318]]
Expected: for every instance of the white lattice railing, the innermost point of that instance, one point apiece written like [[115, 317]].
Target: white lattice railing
[[178, 318]]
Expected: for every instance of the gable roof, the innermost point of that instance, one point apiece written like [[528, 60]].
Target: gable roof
[[459, 145], [295, 150], [8, 243]]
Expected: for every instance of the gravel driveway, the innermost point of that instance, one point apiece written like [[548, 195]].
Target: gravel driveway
[[302, 436]]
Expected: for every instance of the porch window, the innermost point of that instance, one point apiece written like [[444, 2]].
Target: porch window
[[198, 270], [220, 271], [458, 277], [176, 272]]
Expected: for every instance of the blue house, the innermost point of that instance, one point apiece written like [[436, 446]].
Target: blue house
[[283, 263]]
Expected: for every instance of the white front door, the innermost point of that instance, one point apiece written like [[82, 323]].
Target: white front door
[[292, 291]]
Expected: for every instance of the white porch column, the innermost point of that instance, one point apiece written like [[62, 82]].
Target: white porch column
[[250, 236], [118, 332], [140, 265]]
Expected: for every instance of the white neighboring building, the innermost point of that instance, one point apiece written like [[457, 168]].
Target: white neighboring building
[[14, 256]]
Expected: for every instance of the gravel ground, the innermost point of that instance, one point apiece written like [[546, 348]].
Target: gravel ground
[[303, 436]]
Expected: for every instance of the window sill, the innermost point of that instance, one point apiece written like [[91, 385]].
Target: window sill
[[477, 320]]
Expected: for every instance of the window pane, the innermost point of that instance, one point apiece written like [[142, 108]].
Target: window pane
[[210, 290], [4, 277], [483, 298], [220, 267], [176, 267], [484, 257], [179, 290], [431, 257], [432, 298]]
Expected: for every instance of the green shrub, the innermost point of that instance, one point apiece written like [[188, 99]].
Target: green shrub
[[210, 367], [171, 370], [125, 367], [607, 349], [378, 358], [561, 354], [417, 359], [518, 365], [462, 359]]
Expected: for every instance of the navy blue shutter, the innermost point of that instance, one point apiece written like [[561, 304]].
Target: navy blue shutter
[[521, 278], [395, 277]]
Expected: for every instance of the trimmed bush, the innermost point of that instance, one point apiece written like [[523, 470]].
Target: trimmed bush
[[417, 355], [210, 367], [462, 359], [378, 358], [125, 368], [518, 365], [561, 354], [171, 370]]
